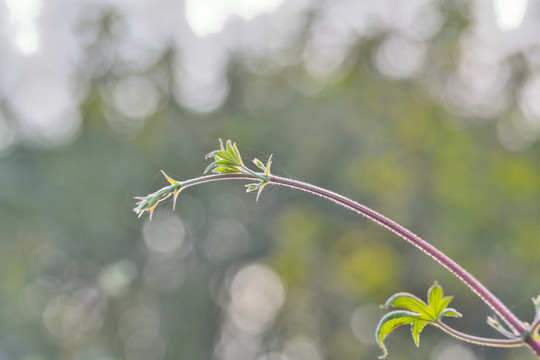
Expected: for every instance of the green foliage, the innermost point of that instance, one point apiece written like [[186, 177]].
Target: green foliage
[[227, 160], [417, 313], [150, 201]]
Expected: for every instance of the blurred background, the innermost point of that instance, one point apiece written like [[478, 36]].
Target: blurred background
[[428, 111]]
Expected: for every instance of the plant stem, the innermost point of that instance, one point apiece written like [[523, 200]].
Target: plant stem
[[491, 300], [516, 342]]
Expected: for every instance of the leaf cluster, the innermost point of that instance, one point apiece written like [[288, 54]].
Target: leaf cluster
[[150, 201], [227, 160], [415, 312]]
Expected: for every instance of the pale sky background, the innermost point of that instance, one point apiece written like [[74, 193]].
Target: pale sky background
[[209, 16], [41, 56]]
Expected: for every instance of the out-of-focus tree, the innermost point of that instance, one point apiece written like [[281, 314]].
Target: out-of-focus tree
[[424, 110]]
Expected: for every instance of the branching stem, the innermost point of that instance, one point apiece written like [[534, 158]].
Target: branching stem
[[515, 342], [491, 300]]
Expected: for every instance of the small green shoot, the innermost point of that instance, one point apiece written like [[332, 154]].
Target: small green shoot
[[228, 165], [227, 160], [416, 313], [150, 201]]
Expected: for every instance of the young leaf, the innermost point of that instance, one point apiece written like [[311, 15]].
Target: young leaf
[[437, 302], [450, 312], [536, 302], [268, 164], [148, 203], [176, 190], [407, 301], [169, 179], [252, 187], [391, 321], [259, 164], [416, 329], [261, 187], [227, 160], [416, 313]]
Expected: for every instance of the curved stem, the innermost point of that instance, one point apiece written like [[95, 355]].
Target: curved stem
[[491, 300], [477, 339], [214, 177], [430, 250]]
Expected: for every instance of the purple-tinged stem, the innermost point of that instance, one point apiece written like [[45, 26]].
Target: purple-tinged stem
[[479, 340], [491, 300]]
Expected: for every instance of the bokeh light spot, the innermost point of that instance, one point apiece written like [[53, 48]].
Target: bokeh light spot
[[509, 13], [257, 293], [303, 348], [452, 352], [116, 278], [209, 16], [136, 97], [165, 233], [400, 58], [23, 16]]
